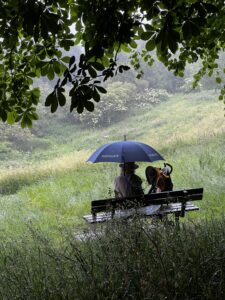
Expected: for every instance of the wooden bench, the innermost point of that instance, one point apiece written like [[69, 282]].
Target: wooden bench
[[148, 205]]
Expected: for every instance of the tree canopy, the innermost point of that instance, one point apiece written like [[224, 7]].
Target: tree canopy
[[36, 33]]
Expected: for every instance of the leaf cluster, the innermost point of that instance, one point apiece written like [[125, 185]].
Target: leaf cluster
[[33, 33]]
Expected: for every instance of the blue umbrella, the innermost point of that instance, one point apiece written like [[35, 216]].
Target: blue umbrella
[[125, 151]]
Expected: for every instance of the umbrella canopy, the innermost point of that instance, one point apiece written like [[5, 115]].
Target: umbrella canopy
[[125, 151]]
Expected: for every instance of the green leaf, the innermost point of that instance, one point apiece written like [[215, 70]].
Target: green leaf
[[173, 34], [44, 70], [61, 99], [78, 38], [92, 72], [96, 96], [86, 89], [164, 41], [173, 45], [30, 80], [187, 31], [146, 35], [34, 116], [78, 26], [23, 122], [66, 59], [29, 121], [54, 105], [120, 69], [150, 45], [97, 66], [126, 68], [38, 73], [160, 36], [51, 73], [89, 106], [64, 81], [26, 121], [10, 117], [32, 74], [35, 96], [80, 108], [52, 22], [85, 80], [1, 68], [72, 61], [50, 99], [133, 44], [195, 31], [139, 76], [101, 89], [58, 53], [57, 67], [218, 80], [36, 92], [105, 60], [125, 48]]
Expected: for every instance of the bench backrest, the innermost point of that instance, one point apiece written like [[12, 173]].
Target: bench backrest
[[147, 199]]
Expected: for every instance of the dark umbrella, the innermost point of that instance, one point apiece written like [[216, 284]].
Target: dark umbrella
[[125, 151]]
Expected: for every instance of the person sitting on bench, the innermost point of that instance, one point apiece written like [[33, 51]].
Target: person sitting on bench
[[128, 183], [159, 179]]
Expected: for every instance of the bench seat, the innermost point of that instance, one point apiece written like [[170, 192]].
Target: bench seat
[[146, 211]]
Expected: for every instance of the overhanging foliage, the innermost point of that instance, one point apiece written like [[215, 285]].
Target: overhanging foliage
[[34, 33]]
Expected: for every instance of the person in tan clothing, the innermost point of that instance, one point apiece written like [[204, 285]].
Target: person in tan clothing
[[128, 183]]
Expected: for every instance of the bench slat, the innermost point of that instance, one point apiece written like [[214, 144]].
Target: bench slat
[[195, 193], [142, 211], [145, 200]]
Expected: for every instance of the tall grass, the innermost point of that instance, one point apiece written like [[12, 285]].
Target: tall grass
[[13, 179], [124, 261], [63, 197]]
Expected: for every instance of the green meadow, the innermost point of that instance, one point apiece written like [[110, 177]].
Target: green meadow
[[53, 188], [46, 191]]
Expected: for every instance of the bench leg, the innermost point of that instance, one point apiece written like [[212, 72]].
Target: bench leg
[[112, 213], [156, 219], [161, 219], [177, 216]]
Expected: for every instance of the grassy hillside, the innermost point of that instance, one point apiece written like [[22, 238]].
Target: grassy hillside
[[53, 188], [46, 187]]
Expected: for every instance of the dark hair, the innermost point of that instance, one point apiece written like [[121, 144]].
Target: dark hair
[[151, 174]]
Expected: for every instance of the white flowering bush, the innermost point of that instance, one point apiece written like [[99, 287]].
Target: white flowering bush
[[151, 97], [113, 106], [122, 97]]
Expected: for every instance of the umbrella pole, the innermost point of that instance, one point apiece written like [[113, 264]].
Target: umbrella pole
[[123, 164], [124, 138]]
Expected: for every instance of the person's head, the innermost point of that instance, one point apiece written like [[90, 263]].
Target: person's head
[[151, 174], [128, 167]]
